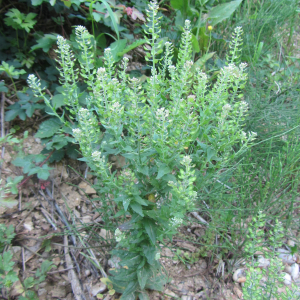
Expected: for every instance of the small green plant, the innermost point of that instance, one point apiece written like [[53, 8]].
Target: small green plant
[[169, 130], [6, 236], [11, 72], [7, 275], [262, 283]]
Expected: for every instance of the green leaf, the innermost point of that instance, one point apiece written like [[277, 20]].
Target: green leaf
[[201, 61], [143, 296], [162, 170], [116, 47], [37, 2], [126, 203], [150, 229], [143, 275], [195, 44], [58, 100], [132, 46], [223, 11], [129, 291], [143, 169], [43, 173], [3, 88], [182, 5], [150, 252], [48, 128], [140, 200], [45, 42], [137, 208]]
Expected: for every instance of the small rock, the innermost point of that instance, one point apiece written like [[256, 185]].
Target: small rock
[[186, 297], [98, 289], [170, 293], [41, 292], [86, 219], [58, 292], [263, 262], [238, 292], [287, 279], [56, 261], [239, 276], [114, 262], [28, 226], [291, 243], [288, 258], [86, 188], [103, 233], [294, 271], [87, 273]]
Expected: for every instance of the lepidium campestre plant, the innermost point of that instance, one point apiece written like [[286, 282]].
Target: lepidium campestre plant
[[168, 131]]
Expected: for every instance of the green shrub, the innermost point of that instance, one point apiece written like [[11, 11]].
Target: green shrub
[[170, 130]]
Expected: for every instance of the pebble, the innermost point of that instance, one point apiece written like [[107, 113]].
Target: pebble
[[98, 288], [288, 258], [239, 275], [287, 279], [263, 262], [294, 271]]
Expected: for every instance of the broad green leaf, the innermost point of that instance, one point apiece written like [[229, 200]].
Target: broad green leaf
[[150, 229], [140, 200], [3, 88], [116, 47], [48, 128], [162, 170], [129, 291], [201, 61], [137, 208], [126, 203], [195, 44], [132, 46], [111, 14], [37, 2], [45, 42], [150, 252], [223, 11], [143, 275], [143, 169], [143, 296], [58, 100], [182, 5]]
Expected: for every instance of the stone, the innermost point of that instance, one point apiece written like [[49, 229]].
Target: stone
[[98, 288], [86, 188]]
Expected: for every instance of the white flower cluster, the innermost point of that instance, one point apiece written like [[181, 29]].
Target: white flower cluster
[[188, 64], [77, 133], [101, 71], [33, 82], [63, 45], [80, 30], [96, 156], [119, 235], [176, 222], [243, 107], [186, 160], [162, 114], [117, 108]]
